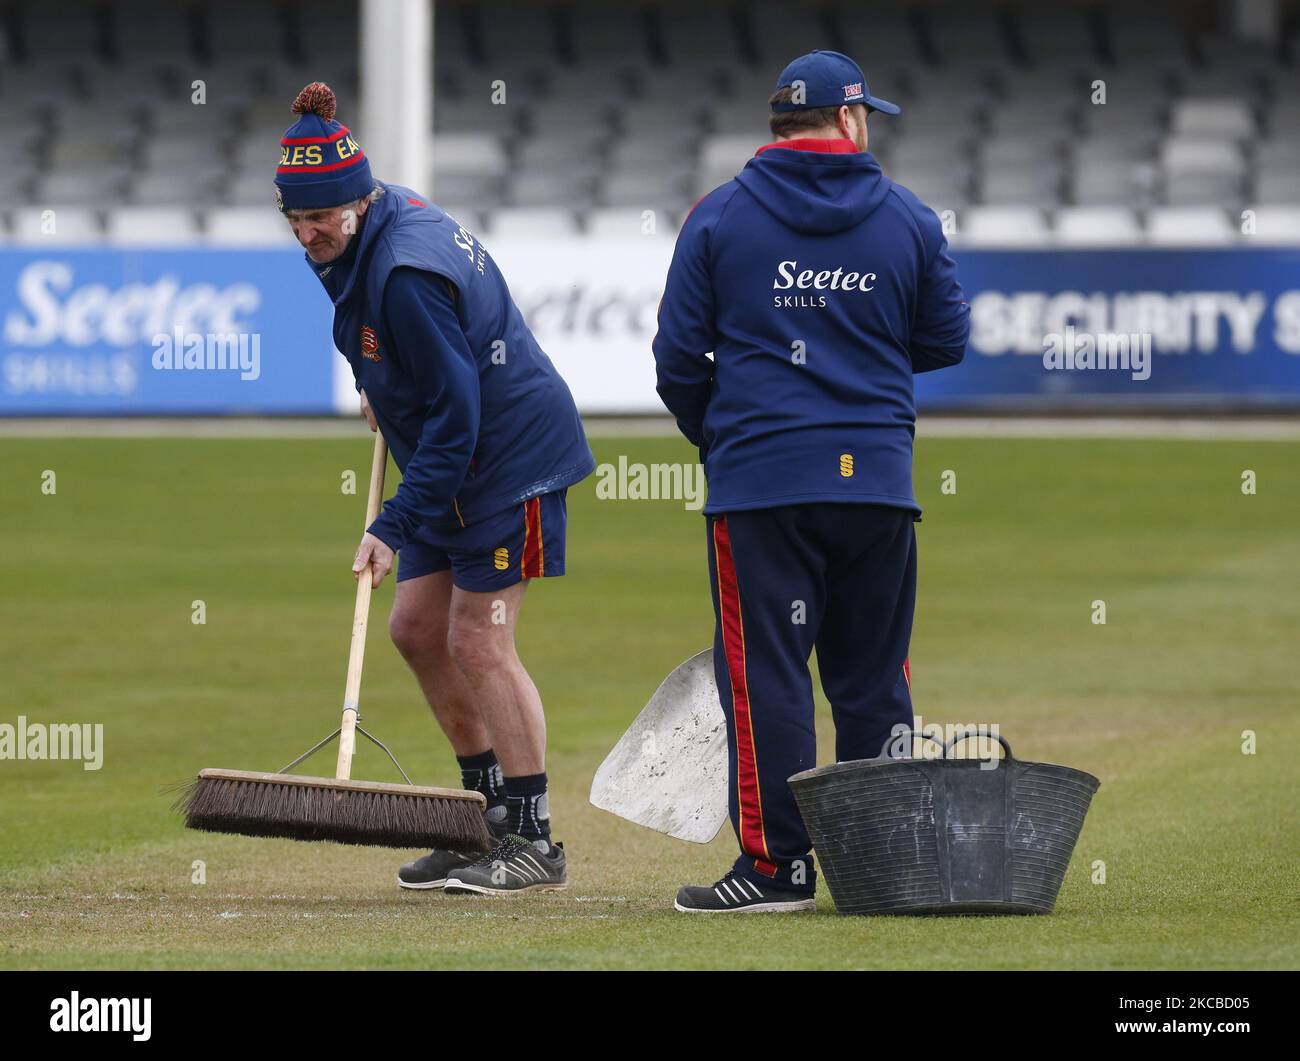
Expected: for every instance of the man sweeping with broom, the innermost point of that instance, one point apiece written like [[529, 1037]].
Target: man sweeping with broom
[[488, 439]]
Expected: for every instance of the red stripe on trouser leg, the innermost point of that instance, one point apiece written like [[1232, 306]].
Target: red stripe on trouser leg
[[907, 672], [753, 841], [531, 565]]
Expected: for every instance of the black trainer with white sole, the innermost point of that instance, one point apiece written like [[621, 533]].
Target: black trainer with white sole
[[431, 871], [737, 895], [513, 867]]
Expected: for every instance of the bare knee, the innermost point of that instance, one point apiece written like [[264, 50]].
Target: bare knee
[[479, 646], [418, 635]]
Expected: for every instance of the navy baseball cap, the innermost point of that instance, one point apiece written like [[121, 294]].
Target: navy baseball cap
[[830, 79]]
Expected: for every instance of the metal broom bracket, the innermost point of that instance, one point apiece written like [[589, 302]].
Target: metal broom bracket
[[375, 740], [309, 752], [365, 733]]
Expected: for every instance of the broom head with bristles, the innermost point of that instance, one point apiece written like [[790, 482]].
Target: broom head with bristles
[[297, 807]]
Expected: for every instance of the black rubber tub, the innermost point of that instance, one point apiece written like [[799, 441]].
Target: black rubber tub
[[944, 836]]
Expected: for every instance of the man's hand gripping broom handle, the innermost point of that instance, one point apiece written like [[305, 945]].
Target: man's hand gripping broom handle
[[360, 619]]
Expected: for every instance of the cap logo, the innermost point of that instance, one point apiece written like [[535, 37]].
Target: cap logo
[[853, 91], [370, 344]]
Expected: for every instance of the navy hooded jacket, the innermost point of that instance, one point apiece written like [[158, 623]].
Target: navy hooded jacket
[[820, 286], [474, 413]]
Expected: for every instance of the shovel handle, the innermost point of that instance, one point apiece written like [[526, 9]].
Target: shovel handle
[[360, 620]]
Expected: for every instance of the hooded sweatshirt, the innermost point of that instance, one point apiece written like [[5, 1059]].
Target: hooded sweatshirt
[[820, 286], [474, 412]]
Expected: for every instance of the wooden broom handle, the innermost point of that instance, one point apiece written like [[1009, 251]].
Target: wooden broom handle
[[360, 620]]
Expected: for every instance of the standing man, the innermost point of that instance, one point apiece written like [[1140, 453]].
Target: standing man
[[487, 438], [820, 286]]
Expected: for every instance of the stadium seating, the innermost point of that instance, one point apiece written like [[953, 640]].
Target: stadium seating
[[1279, 225], [1189, 225], [1102, 226], [152, 226], [247, 226], [615, 107], [1003, 226], [543, 223], [621, 223], [55, 224]]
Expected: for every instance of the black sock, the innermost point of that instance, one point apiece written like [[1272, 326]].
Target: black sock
[[528, 810], [482, 773]]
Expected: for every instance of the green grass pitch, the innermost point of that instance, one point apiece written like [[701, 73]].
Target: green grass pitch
[[1199, 841]]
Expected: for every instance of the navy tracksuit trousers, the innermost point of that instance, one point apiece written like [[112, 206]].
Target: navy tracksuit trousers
[[838, 578]]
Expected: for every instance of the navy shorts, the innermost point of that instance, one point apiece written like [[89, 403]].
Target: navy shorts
[[524, 541]]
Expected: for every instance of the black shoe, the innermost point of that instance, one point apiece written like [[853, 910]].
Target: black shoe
[[736, 895], [515, 865], [431, 870]]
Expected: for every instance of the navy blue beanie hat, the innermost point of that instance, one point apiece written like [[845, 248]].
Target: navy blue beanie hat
[[320, 164]]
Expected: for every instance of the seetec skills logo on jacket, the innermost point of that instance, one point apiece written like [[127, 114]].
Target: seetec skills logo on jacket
[[837, 279]]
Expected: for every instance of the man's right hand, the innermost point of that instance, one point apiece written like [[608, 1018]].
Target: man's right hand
[[367, 412]]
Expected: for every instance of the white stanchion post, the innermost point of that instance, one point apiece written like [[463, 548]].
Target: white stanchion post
[[396, 56]]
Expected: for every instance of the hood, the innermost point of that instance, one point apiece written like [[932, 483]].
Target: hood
[[815, 189]]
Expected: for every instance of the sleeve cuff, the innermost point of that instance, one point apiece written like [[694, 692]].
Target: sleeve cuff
[[388, 529]]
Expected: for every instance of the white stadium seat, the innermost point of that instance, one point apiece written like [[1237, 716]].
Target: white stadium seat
[[1276, 225], [481, 153], [152, 226], [533, 222], [71, 224], [1229, 119], [1002, 226], [1183, 226], [248, 226], [1200, 172], [1197, 155], [623, 223], [1277, 188], [1097, 226]]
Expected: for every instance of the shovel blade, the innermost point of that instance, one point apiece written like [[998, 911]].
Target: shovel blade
[[668, 772]]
